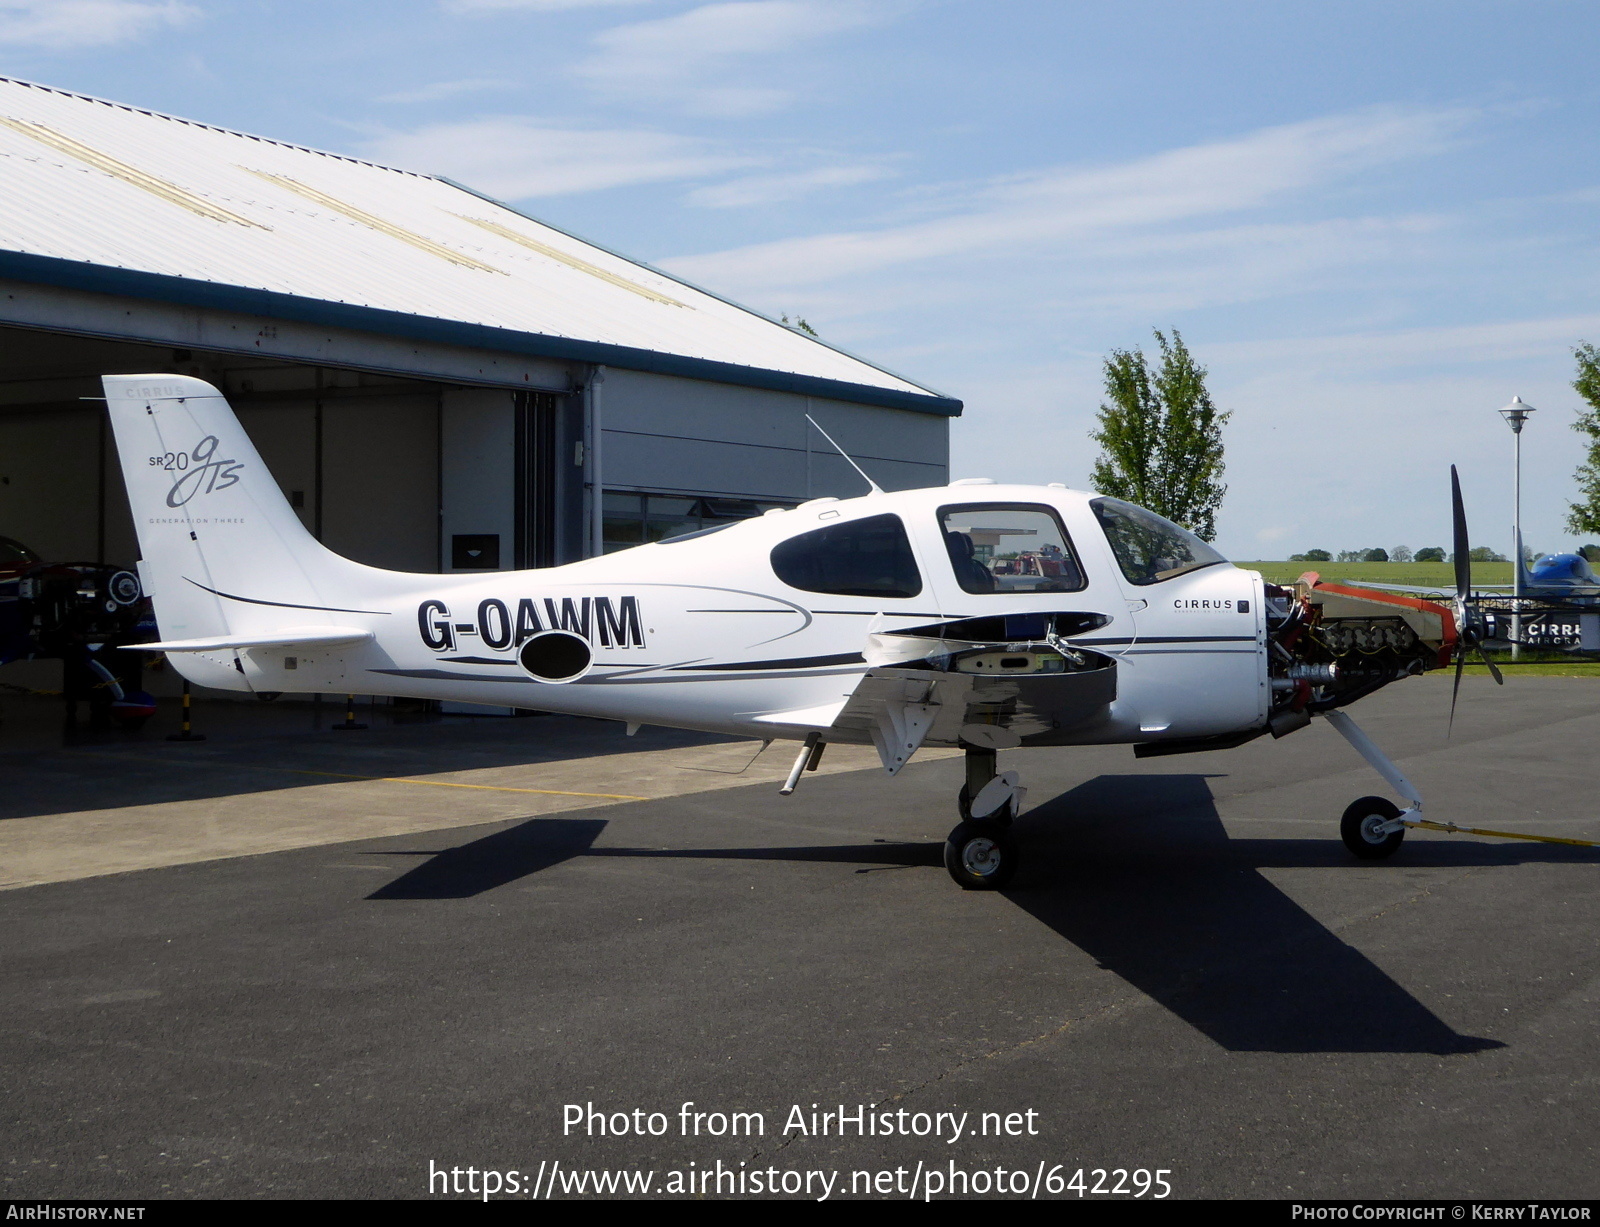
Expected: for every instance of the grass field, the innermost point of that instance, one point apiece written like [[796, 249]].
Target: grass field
[[1432, 574]]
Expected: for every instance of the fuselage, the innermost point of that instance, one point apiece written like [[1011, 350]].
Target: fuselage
[[731, 629]]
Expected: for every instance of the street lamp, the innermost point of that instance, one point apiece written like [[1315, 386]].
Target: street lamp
[[1516, 414]]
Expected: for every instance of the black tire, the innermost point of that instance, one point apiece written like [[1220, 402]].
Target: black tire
[[1355, 828], [980, 855]]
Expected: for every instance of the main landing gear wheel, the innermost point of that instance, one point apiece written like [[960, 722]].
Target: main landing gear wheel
[[1360, 828], [980, 855]]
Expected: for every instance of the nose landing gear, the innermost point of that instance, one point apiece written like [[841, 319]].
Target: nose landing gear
[[980, 853]]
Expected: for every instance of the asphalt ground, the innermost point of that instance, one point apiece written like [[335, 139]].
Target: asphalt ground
[[1189, 974]]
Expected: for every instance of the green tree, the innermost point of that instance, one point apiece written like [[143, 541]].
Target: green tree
[[1161, 436], [1312, 556], [1584, 517], [798, 323], [1378, 555], [1430, 553], [1591, 552]]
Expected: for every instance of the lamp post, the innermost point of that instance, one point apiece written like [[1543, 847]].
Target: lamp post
[[1516, 414]]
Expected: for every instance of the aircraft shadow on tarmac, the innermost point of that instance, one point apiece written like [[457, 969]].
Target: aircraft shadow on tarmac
[[1137, 872]]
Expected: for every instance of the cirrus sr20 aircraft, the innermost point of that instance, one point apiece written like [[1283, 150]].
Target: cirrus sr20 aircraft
[[976, 615]]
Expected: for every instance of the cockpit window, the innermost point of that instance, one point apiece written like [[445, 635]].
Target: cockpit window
[[869, 557], [1009, 547], [1148, 548]]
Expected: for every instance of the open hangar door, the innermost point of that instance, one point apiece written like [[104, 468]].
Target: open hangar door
[[401, 473]]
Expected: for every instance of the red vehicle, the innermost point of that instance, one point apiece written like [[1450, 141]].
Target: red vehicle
[[1047, 562]]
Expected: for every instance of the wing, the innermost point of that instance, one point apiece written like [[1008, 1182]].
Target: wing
[[899, 710]]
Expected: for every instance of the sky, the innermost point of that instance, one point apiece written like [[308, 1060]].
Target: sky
[[1374, 223]]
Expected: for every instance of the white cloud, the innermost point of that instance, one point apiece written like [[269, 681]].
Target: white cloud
[[1348, 357], [685, 60], [774, 189], [61, 25], [515, 157], [530, 6], [448, 89], [1048, 210]]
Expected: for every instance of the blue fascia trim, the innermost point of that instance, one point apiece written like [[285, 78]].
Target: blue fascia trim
[[187, 292]]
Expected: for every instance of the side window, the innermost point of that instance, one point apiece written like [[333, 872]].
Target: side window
[[1009, 547], [1148, 548], [870, 557]]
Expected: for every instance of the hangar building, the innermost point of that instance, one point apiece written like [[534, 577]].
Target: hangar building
[[438, 381]]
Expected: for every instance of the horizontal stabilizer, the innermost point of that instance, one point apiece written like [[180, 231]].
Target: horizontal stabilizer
[[291, 637]]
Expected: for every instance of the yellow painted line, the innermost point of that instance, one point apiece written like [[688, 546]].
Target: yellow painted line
[[1453, 829], [382, 779], [393, 779], [373, 221], [153, 184]]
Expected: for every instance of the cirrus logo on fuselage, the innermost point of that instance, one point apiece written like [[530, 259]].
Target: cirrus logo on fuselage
[[602, 620]]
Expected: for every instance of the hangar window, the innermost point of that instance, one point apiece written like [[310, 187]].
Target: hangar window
[[1148, 548], [869, 557], [638, 519], [1009, 547]]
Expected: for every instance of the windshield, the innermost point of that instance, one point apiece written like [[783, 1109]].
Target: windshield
[[1148, 548], [1009, 547]]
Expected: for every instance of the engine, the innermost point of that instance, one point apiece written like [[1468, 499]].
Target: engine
[[1331, 645]]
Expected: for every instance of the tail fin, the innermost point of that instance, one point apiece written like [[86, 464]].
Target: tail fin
[[223, 554]]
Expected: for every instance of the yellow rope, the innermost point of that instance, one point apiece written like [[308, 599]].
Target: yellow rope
[[1453, 829]]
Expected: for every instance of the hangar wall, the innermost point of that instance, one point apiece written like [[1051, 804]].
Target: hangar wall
[[357, 455], [391, 457], [662, 432], [51, 461]]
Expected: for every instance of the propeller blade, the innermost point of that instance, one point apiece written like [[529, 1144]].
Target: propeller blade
[[1494, 672], [1458, 516], [1455, 690]]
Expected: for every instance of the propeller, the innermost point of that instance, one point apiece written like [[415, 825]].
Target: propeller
[[1468, 636]]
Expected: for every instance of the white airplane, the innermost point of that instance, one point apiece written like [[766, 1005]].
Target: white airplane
[[976, 615]]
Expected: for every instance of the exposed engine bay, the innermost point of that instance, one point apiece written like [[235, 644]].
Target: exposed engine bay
[[1330, 645]]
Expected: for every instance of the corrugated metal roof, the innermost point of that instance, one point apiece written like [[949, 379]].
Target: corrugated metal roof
[[100, 183]]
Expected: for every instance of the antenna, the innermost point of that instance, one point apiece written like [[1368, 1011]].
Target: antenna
[[876, 488]]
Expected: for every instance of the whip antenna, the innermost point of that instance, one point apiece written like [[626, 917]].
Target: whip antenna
[[876, 488]]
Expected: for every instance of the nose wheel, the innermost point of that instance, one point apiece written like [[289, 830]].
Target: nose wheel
[[1368, 828], [981, 853]]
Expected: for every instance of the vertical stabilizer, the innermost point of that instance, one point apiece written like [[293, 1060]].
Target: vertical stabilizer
[[222, 551]]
